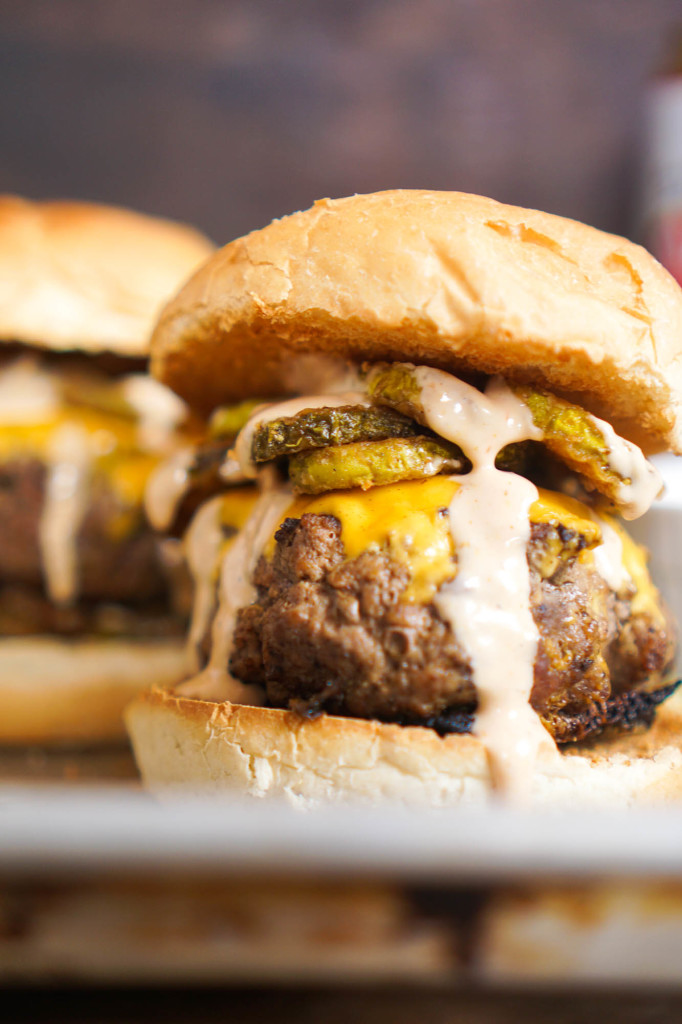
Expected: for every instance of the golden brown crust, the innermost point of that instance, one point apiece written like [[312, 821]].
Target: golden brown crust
[[55, 691], [437, 278], [224, 747], [82, 276]]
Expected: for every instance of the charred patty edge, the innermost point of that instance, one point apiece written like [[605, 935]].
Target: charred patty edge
[[625, 711]]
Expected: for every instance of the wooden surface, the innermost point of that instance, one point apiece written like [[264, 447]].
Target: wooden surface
[[228, 114]]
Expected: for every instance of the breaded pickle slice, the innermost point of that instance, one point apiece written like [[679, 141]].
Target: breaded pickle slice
[[395, 385], [228, 420], [572, 435], [372, 463], [568, 431], [325, 427]]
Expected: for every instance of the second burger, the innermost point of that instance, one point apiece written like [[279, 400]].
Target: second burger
[[86, 611]]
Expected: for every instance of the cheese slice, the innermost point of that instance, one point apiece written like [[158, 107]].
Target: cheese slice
[[410, 521], [113, 441], [237, 505]]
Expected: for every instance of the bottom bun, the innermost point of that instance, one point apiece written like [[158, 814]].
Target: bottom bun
[[57, 691], [232, 748]]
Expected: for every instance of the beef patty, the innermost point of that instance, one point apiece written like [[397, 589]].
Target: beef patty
[[118, 555], [329, 634]]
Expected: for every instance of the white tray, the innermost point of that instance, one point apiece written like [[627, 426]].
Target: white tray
[[55, 829]]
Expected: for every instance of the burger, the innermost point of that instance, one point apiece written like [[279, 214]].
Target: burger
[[414, 579], [87, 611]]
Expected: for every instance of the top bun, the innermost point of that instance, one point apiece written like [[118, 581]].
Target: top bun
[[87, 277], [439, 278]]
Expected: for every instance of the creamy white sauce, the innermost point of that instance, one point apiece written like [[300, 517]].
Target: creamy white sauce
[[231, 472], [69, 461], [170, 483], [641, 481], [28, 394], [202, 543], [236, 590], [608, 557], [488, 602], [174, 565], [166, 487], [159, 411], [265, 414]]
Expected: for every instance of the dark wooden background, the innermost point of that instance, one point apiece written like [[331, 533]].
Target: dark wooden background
[[229, 113]]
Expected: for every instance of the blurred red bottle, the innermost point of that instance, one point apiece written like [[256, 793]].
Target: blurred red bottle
[[662, 186]]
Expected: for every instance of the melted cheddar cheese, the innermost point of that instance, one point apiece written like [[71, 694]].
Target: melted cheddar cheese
[[114, 444], [558, 509], [237, 505], [108, 431], [410, 521]]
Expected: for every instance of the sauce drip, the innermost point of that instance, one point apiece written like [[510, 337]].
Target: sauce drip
[[641, 481], [166, 488], [488, 602], [69, 461], [203, 543], [27, 393], [159, 411], [608, 557], [236, 590], [231, 472]]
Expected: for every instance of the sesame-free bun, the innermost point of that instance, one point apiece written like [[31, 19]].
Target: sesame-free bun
[[233, 748], [436, 278], [55, 691], [77, 276]]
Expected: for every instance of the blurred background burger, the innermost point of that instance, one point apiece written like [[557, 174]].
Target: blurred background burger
[[86, 598]]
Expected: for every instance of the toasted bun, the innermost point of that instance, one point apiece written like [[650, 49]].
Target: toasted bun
[[265, 751], [55, 691], [438, 278], [87, 277]]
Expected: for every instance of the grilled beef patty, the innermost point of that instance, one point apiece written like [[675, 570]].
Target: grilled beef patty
[[334, 635]]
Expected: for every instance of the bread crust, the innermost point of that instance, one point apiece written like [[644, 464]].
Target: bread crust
[[55, 691], [436, 278], [88, 277], [223, 747]]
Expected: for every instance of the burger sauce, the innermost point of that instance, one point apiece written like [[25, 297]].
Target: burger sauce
[[203, 542], [166, 488], [69, 465], [488, 602], [236, 590]]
